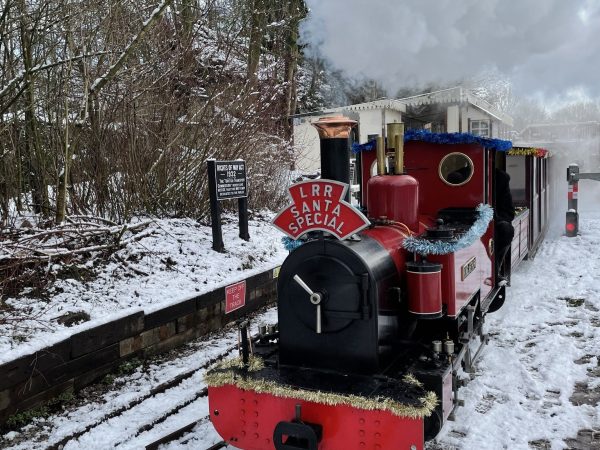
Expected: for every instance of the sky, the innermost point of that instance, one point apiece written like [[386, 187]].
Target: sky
[[547, 48]]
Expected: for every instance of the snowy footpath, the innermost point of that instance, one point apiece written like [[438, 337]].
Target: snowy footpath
[[537, 384]]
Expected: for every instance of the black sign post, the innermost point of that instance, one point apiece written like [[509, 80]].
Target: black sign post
[[243, 218], [215, 207], [226, 181]]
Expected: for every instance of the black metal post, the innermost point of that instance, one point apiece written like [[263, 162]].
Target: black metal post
[[244, 343], [243, 216], [215, 207]]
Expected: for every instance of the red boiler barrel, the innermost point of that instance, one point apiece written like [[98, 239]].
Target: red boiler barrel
[[424, 285], [395, 197]]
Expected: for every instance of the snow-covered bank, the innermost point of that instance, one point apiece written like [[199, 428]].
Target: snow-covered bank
[[173, 262], [537, 377]]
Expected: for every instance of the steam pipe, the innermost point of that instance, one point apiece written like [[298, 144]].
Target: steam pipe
[[380, 156], [395, 133]]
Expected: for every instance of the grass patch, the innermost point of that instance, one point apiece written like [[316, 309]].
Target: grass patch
[[22, 418], [127, 368]]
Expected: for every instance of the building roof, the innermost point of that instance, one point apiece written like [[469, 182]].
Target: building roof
[[384, 103], [456, 94], [453, 95], [566, 132], [563, 124]]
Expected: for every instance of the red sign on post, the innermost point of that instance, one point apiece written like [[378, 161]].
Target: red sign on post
[[235, 296], [318, 205]]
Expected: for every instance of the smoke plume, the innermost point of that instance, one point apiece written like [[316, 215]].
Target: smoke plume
[[544, 46]]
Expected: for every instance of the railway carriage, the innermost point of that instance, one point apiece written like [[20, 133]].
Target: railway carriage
[[528, 168], [380, 307]]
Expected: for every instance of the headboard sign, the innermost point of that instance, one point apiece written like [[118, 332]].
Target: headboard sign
[[318, 205]]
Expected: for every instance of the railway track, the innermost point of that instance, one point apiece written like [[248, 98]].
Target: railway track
[[151, 407], [181, 433], [160, 389]]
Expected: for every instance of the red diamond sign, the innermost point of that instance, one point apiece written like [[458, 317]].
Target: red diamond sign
[[318, 206]]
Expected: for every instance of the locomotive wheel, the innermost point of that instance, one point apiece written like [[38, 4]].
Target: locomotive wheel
[[432, 425]]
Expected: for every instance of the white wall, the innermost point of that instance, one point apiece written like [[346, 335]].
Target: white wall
[[515, 166], [306, 138], [370, 122], [473, 113], [452, 119]]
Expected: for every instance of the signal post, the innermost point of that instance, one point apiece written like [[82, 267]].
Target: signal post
[[573, 177]]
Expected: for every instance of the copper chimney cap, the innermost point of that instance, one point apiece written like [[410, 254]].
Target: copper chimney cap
[[334, 127]]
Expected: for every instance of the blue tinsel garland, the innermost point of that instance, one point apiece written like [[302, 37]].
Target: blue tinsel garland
[[291, 244], [357, 148], [443, 138], [426, 247]]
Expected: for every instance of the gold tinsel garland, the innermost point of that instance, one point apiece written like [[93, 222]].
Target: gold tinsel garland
[[528, 151], [223, 374]]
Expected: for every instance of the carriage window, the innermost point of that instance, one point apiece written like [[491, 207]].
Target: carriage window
[[456, 169], [516, 167]]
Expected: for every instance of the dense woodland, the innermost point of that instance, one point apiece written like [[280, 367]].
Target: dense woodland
[[110, 108]]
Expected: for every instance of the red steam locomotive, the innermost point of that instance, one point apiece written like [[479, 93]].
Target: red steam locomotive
[[379, 307]]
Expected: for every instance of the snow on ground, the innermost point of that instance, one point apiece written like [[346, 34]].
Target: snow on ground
[[538, 381], [177, 257]]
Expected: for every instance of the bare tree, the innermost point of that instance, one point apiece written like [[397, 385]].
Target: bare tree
[[110, 107]]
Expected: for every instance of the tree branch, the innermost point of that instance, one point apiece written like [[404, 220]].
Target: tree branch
[[100, 82]]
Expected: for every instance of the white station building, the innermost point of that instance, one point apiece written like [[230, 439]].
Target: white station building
[[449, 110]]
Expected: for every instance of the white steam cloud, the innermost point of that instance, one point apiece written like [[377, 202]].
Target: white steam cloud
[[543, 45]]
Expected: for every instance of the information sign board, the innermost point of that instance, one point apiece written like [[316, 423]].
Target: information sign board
[[231, 179]]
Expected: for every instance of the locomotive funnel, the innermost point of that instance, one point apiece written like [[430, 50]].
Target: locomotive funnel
[[334, 133]]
